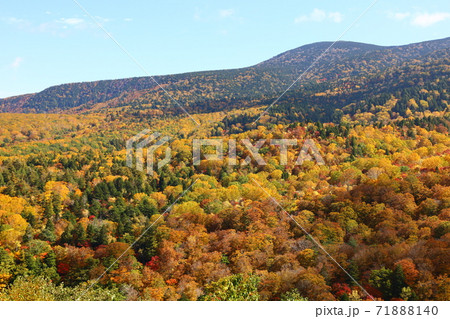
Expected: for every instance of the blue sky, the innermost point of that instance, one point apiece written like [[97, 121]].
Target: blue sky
[[47, 43]]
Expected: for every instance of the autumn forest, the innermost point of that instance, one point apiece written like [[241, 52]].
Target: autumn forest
[[372, 223]]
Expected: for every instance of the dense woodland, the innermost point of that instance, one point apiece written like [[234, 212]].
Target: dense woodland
[[380, 206]]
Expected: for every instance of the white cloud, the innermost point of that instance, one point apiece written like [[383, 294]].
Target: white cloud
[[17, 22], [420, 19], [102, 19], [318, 15], [57, 27], [225, 13], [336, 16], [79, 23], [71, 21], [128, 19], [428, 19], [65, 25], [16, 63], [399, 15]]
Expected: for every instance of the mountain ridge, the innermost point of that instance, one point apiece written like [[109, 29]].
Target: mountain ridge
[[261, 81]]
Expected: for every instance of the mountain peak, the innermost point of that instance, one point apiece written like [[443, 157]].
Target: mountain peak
[[227, 88]]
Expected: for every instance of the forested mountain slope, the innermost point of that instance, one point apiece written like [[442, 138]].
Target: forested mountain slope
[[258, 85], [77, 223]]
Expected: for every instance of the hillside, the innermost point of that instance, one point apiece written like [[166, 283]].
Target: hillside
[[69, 207], [77, 222], [259, 85]]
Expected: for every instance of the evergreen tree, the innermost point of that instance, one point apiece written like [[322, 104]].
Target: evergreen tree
[[147, 246], [398, 281], [146, 208], [66, 236], [29, 234], [48, 233], [48, 210], [78, 235], [101, 236], [56, 203]]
